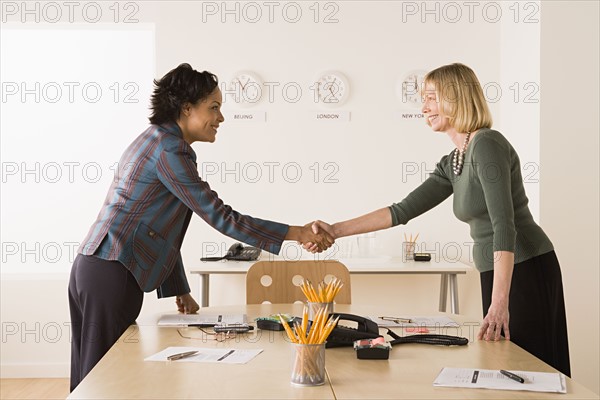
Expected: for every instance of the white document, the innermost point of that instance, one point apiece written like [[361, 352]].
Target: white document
[[553, 382], [207, 355], [428, 322], [201, 319]]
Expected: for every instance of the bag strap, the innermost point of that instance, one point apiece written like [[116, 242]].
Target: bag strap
[[444, 340]]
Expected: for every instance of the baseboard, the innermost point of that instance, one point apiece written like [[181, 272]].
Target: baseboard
[[35, 370]]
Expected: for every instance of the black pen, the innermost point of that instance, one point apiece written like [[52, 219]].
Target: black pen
[[224, 356], [512, 376]]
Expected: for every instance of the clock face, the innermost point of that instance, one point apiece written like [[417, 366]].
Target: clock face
[[409, 89], [246, 88], [332, 88]]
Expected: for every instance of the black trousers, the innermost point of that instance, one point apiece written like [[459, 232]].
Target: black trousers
[[104, 300], [538, 322]]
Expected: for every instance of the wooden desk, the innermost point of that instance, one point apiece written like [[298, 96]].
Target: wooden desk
[[411, 369], [448, 272], [123, 374], [408, 374]]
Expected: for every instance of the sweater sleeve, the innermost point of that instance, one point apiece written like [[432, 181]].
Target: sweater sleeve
[[492, 163], [429, 194], [177, 171]]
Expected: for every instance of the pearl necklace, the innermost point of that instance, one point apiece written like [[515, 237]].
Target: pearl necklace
[[458, 159]]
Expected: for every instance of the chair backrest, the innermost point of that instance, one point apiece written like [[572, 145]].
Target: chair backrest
[[286, 276]]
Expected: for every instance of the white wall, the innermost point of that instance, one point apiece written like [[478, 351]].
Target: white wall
[[374, 44], [569, 178]]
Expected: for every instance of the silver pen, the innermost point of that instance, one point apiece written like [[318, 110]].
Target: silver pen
[[179, 356]]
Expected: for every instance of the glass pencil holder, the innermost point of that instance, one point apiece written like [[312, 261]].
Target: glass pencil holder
[[308, 364], [408, 251]]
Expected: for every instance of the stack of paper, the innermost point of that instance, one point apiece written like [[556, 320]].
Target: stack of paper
[[493, 379]]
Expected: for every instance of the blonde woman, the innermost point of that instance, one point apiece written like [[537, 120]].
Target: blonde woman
[[521, 282]]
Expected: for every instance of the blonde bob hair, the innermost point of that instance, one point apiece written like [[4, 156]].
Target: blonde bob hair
[[460, 97]]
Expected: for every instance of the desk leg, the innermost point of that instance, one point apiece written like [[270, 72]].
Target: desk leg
[[443, 292], [204, 288], [453, 285]]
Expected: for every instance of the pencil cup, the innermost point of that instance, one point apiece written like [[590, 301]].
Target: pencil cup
[[313, 308], [308, 364], [408, 251]]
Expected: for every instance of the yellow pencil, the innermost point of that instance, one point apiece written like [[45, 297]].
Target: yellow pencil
[[329, 291], [299, 333], [328, 328], [337, 289], [316, 326], [305, 318], [315, 297], [288, 329]]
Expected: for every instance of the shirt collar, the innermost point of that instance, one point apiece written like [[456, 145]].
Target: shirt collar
[[174, 129]]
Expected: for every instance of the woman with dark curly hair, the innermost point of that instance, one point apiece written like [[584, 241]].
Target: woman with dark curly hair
[[134, 245]]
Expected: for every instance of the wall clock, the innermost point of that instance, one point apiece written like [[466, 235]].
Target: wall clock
[[246, 88], [409, 88], [332, 88]]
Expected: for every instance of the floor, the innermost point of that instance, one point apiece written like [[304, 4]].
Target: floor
[[26, 388]]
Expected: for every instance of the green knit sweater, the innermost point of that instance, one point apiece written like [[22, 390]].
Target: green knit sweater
[[488, 195]]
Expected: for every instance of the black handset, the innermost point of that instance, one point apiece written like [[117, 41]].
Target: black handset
[[237, 252], [345, 336], [234, 250]]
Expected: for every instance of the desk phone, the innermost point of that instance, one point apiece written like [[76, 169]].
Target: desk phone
[[237, 252]]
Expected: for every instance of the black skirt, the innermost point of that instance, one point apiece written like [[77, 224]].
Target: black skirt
[[538, 322]]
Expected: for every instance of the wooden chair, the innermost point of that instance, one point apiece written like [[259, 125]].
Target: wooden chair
[[278, 281]]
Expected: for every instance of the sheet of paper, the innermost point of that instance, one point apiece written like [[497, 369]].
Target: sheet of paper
[[553, 382], [428, 322], [200, 319], [208, 355]]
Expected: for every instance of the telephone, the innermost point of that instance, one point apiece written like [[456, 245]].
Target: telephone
[[345, 335], [367, 329], [237, 252]]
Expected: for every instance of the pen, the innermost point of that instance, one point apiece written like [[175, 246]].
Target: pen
[[397, 320], [224, 356], [179, 356], [512, 376]]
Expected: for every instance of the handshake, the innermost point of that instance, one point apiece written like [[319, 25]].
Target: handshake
[[315, 237]]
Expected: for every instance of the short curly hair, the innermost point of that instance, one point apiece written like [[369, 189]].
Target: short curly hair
[[179, 86]]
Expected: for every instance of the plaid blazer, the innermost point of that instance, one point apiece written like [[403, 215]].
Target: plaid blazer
[[149, 206]]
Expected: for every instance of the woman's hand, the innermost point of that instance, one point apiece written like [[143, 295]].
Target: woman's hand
[[494, 322], [371, 222], [497, 317], [304, 234], [186, 304], [318, 227]]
